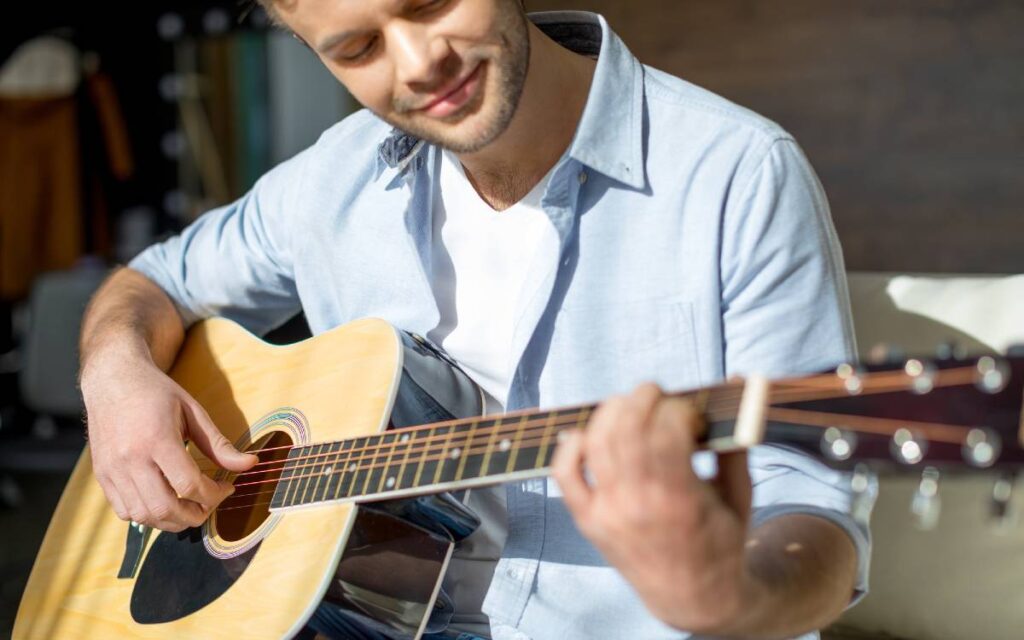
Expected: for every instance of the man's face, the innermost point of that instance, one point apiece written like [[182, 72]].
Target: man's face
[[447, 71]]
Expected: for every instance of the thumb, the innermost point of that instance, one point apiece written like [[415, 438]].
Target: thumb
[[733, 482], [207, 438]]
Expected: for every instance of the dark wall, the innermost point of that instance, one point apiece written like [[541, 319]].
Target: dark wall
[[912, 111]]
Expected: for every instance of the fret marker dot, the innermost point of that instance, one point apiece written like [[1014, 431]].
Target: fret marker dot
[[456, 453], [404, 438], [328, 470], [505, 445], [390, 483], [352, 467]]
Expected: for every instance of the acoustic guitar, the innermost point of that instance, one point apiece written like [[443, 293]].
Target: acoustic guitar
[[366, 435]]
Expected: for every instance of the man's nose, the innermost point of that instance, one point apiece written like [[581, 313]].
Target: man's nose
[[418, 56]]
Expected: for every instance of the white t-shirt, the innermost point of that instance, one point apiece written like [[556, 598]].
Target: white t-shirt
[[479, 265], [479, 260]]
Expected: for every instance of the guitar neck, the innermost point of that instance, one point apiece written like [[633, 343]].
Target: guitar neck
[[950, 413], [468, 453]]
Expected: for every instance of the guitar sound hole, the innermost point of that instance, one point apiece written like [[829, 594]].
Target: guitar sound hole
[[245, 510]]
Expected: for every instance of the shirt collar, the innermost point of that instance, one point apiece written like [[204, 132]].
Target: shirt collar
[[609, 137]]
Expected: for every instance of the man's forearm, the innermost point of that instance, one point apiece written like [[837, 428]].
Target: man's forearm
[[129, 317], [803, 569]]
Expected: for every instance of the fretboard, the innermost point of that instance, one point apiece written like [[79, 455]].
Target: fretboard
[[444, 456]]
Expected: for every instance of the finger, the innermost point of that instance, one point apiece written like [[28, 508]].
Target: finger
[[733, 482], [628, 443], [166, 510], [188, 482], [567, 470], [676, 424], [133, 503], [113, 497], [599, 442], [208, 438]]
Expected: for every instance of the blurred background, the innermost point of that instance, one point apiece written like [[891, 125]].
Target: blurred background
[[121, 122]]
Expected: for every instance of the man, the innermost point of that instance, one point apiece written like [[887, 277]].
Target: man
[[567, 224]]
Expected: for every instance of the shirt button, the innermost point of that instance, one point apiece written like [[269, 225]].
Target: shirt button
[[583, 177], [512, 573]]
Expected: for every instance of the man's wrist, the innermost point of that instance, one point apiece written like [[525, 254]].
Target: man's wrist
[[111, 356]]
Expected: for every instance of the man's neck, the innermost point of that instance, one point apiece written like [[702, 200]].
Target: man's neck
[[554, 95]]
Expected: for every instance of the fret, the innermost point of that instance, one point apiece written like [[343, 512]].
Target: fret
[[341, 471], [444, 454], [284, 482], [379, 448], [423, 452], [499, 446], [329, 472], [358, 467], [494, 428], [406, 471], [545, 440], [295, 480], [387, 479], [465, 451], [514, 452], [314, 468]]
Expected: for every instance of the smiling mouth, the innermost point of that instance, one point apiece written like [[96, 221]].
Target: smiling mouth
[[455, 98]]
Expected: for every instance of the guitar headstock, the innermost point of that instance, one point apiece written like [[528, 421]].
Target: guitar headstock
[[948, 413]]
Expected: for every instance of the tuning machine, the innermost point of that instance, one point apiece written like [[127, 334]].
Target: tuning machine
[[884, 353], [991, 374], [1002, 509], [864, 486], [921, 374], [926, 506], [852, 377], [951, 350], [907, 448]]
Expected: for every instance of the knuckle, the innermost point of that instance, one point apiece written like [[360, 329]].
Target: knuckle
[[188, 486], [161, 511]]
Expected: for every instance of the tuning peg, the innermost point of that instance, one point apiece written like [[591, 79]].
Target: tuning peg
[[838, 444], [907, 448], [1002, 496], [884, 353], [991, 374], [982, 447], [926, 504], [921, 374], [864, 485], [852, 377], [950, 350]]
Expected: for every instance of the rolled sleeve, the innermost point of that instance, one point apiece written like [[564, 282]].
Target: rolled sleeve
[[235, 261], [786, 312], [787, 482]]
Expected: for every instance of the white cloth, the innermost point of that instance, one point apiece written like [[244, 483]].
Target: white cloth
[[479, 263], [479, 260]]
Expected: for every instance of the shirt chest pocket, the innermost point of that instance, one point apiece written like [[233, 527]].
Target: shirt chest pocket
[[615, 346]]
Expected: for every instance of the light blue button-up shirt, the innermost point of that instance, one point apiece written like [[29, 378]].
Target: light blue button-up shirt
[[695, 245]]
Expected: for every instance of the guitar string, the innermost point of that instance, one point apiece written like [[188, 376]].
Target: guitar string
[[790, 418], [511, 428], [728, 392], [935, 432]]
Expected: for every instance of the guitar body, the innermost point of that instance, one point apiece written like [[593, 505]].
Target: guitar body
[[290, 539], [250, 572]]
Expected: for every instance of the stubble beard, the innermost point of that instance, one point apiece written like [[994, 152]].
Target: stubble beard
[[472, 128]]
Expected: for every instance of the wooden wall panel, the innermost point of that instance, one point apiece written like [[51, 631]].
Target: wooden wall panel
[[912, 111]]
